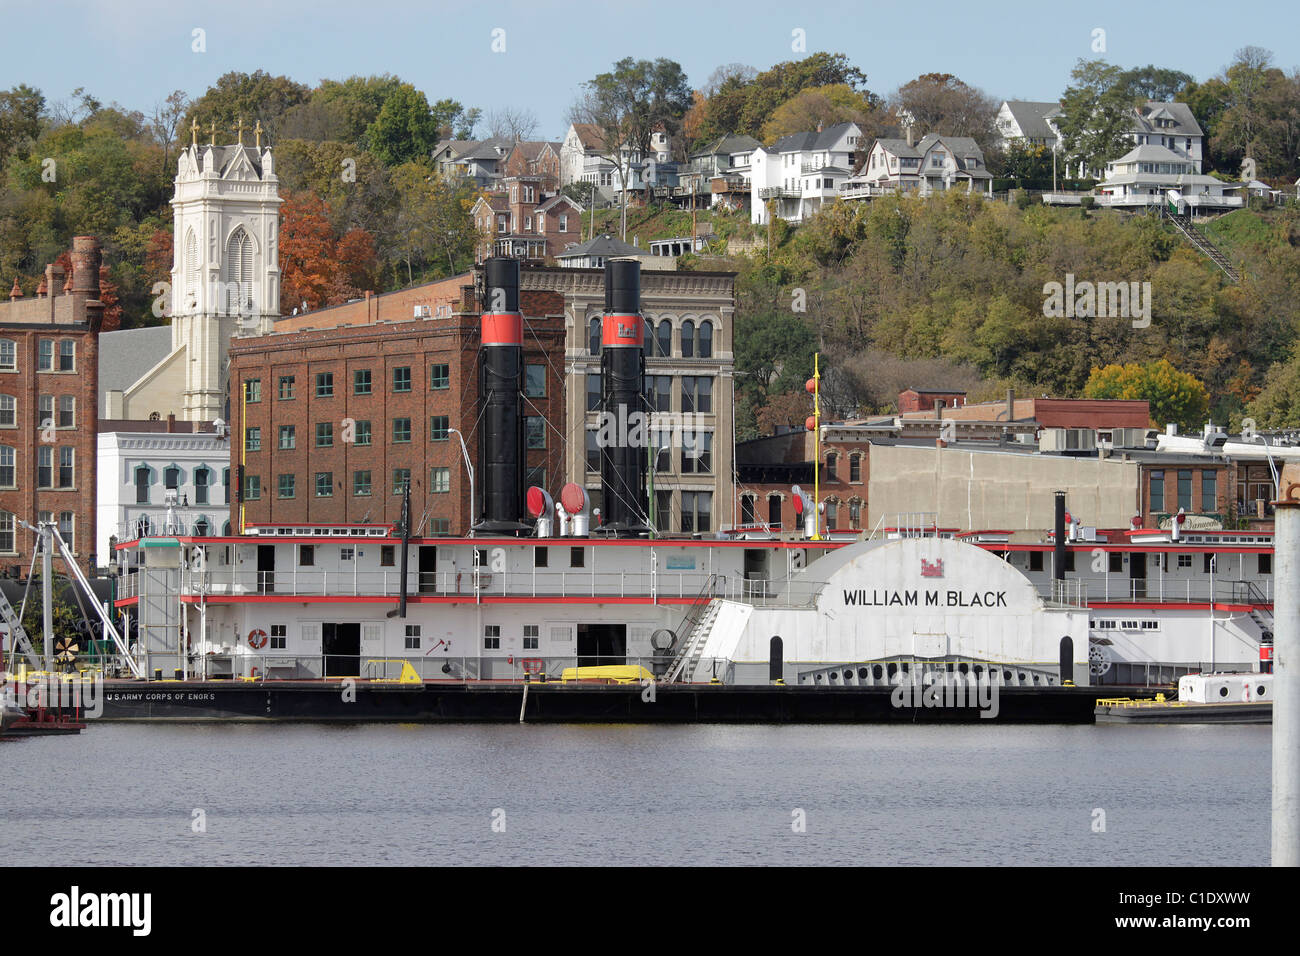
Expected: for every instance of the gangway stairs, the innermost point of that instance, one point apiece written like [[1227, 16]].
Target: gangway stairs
[[688, 658]]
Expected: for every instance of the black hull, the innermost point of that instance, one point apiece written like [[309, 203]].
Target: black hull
[[455, 702]]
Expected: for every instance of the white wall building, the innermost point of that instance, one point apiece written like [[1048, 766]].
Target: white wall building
[[153, 481], [800, 173]]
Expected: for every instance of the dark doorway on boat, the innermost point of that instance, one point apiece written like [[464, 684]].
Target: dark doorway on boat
[[428, 569], [601, 644], [265, 568], [341, 645], [1137, 574]]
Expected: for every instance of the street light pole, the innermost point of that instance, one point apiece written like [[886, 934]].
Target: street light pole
[[470, 469]]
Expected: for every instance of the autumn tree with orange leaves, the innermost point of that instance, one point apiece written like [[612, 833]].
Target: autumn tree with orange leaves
[[317, 266]]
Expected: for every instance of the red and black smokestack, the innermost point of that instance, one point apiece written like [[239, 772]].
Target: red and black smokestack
[[500, 385], [623, 435]]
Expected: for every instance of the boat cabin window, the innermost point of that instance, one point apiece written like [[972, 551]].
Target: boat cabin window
[[387, 555], [541, 557], [1266, 564], [306, 555], [1117, 561], [577, 557], [1035, 560]]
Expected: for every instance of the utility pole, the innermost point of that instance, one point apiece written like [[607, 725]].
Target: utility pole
[[47, 594], [1286, 672]]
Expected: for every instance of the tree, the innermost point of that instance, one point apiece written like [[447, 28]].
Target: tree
[[454, 121], [1151, 82], [1173, 396], [513, 123], [1096, 115], [433, 234], [164, 125], [825, 106], [627, 105], [405, 128], [316, 265], [741, 101], [941, 103], [250, 97], [20, 121]]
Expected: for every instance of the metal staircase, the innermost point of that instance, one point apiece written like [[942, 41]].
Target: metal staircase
[[17, 633], [1201, 242], [688, 658]]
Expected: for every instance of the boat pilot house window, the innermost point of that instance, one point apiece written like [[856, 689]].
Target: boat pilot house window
[[279, 636], [577, 557]]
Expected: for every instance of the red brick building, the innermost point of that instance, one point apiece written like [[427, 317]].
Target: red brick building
[[49, 407], [335, 419], [523, 221], [927, 399], [535, 158]]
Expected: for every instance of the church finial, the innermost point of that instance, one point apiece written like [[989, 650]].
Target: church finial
[[239, 129], [194, 132], [212, 133], [257, 131]]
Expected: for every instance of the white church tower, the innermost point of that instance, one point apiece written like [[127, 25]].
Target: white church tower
[[225, 271]]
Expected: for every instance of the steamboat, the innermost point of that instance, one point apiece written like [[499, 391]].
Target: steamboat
[[551, 610]]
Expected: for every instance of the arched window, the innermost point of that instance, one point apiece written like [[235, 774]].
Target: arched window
[[855, 467], [855, 514], [191, 267], [649, 344], [201, 527], [238, 268], [830, 466], [831, 516], [593, 336], [746, 509], [225, 529], [688, 339], [664, 337], [705, 341]]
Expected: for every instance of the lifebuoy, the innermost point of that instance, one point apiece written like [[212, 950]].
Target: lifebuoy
[[257, 639]]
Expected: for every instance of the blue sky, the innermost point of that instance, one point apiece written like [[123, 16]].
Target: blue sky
[[137, 51]]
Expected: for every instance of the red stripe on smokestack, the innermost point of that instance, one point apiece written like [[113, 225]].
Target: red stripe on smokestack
[[622, 330], [503, 328]]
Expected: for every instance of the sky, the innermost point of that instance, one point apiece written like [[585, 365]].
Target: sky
[[135, 52]]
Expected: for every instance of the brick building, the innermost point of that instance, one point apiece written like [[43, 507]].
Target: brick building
[[535, 158], [49, 410], [522, 220], [927, 399], [335, 419]]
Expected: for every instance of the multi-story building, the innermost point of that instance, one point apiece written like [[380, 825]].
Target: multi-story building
[[1151, 175], [584, 157], [800, 173], [522, 221], [336, 420], [162, 477], [936, 163], [535, 158], [49, 384]]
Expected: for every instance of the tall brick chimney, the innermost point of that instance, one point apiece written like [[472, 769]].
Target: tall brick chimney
[[85, 265]]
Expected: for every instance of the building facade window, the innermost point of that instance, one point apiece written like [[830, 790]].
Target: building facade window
[[535, 381], [1157, 493], [45, 355], [252, 487], [402, 378], [8, 475], [361, 381], [439, 480], [360, 484], [285, 485], [324, 484], [8, 411], [324, 384], [439, 376], [535, 430], [855, 467], [288, 437], [1185, 490], [252, 390], [697, 508], [401, 479], [361, 433], [202, 479], [697, 453], [1209, 491], [8, 362], [252, 439], [324, 434], [286, 387], [593, 392], [439, 426], [401, 430]]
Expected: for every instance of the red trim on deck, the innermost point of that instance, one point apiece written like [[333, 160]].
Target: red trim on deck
[[427, 599]]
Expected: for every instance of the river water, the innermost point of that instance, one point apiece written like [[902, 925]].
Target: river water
[[310, 794]]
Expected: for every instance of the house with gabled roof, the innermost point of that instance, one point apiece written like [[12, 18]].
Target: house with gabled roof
[[584, 158], [520, 220], [935, 164], [1027, 121], [798, 174]]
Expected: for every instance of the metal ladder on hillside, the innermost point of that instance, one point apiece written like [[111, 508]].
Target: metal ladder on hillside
[[1201, 242], [688, 658]]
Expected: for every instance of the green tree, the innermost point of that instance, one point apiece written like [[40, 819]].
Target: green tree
[[1096, 115], [1152, 82], [250, 97], [1173, 396], [20, 121], [405, 129]]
